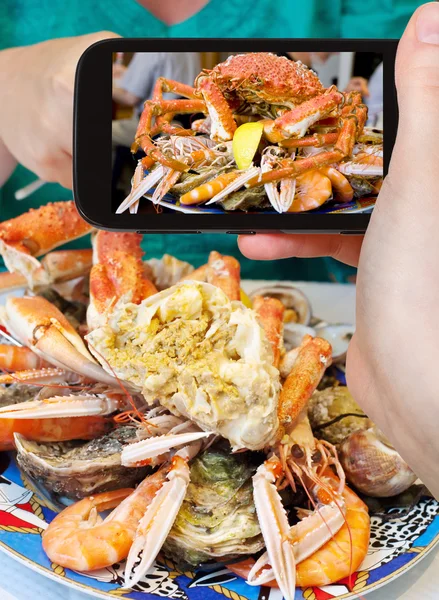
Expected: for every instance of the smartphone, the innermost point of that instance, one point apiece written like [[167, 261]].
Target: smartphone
[[252, 141]]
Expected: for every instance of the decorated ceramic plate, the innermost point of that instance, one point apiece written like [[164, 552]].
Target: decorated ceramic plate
[[396, 545], [359, 205]]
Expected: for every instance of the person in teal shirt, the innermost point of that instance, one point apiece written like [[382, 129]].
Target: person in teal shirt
[[36, 87]]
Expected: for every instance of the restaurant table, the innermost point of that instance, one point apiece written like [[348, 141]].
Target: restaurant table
[[332, 303]]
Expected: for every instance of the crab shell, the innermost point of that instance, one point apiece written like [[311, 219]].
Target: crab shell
[[267, 77], [232, 389]]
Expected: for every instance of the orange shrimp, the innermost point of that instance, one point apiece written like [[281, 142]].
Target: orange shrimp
[[56, 429], [78, 539], [340, 183], [338, 558], [208, 190], [312, 190], [14, 358]]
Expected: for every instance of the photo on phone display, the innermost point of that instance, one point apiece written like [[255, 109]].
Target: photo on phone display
[[266, 135], [255, 133]]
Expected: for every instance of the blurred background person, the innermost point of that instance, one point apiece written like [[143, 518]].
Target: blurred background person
[[136, 84]]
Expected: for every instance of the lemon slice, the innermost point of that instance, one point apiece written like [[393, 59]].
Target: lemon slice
[[245, 299], [245, 143]]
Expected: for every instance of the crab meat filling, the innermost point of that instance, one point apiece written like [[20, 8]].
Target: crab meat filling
[[201, 356]]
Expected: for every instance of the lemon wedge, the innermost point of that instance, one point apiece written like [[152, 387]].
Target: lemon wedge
[[245, 299], [245, 143]]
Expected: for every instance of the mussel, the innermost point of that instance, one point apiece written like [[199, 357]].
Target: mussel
[[373, 466], [78, 469]]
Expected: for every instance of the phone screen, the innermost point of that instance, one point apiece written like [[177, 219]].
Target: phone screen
[[223, 133]]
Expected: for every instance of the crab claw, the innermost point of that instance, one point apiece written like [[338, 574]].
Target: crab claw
[[61, 406], [156, 446], [39, 325], [274, 526], [157, 522]]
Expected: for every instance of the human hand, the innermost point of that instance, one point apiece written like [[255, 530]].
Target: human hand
[[36, 96], [118, 71], [392, 359], [358, 84]]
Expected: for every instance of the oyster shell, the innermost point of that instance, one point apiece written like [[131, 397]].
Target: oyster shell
[[332, 413], [78, 469], [373, 466], [201, 356], [218, 516], [297, 305], [17, 393]]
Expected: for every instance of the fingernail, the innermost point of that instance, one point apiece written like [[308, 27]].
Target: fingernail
[[427, 24]]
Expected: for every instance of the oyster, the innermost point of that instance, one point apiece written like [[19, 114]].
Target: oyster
[[75, 312], [332, 414], [246, 199], [201, 356], [16, 393], [298, 308], [373, 466], [78, 469], [218, 516]]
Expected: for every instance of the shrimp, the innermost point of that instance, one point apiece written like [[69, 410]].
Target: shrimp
[[57, 429], [16, 358], [340, 184], [312, 190], [79, 539], [208, 190], [339, 557]]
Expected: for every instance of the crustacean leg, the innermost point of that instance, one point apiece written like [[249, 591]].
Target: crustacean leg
[[222, 123], [40, 326], [55, 267], [37, 232], [117, 273], [270, 312], [165, 109], [297, 121], [225, 273]]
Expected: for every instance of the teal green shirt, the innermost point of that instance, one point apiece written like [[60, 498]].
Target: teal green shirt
[[24, 22]]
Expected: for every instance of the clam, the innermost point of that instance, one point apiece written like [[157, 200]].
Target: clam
[[338, 335], [298, 308], [373, 466], [78, 469], [334, 414]]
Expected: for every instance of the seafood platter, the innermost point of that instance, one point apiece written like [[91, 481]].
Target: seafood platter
[[271, 139], [165, 434]]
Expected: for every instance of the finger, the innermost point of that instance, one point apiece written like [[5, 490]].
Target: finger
[[417, 79], [272, 246]]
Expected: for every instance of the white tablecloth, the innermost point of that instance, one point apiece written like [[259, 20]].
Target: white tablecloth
[[333, 303]]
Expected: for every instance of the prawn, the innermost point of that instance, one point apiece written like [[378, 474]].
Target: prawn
[[338, 558], [19, 358], [312, 190], [206, 191], [79, 539], [340, 183]]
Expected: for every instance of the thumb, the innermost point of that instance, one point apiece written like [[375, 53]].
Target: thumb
[[417, 82]]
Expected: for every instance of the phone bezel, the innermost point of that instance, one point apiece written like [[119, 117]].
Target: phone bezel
[[92, 168]]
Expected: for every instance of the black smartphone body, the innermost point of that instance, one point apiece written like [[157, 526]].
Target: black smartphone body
[[256, 144]]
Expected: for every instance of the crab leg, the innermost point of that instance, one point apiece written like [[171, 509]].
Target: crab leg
[[39, 325], [37, 232], [271, 315], [199, 274], [316, 140], [224, 272], [118, 272], [222, 124], [313, 358], [296, 122]]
